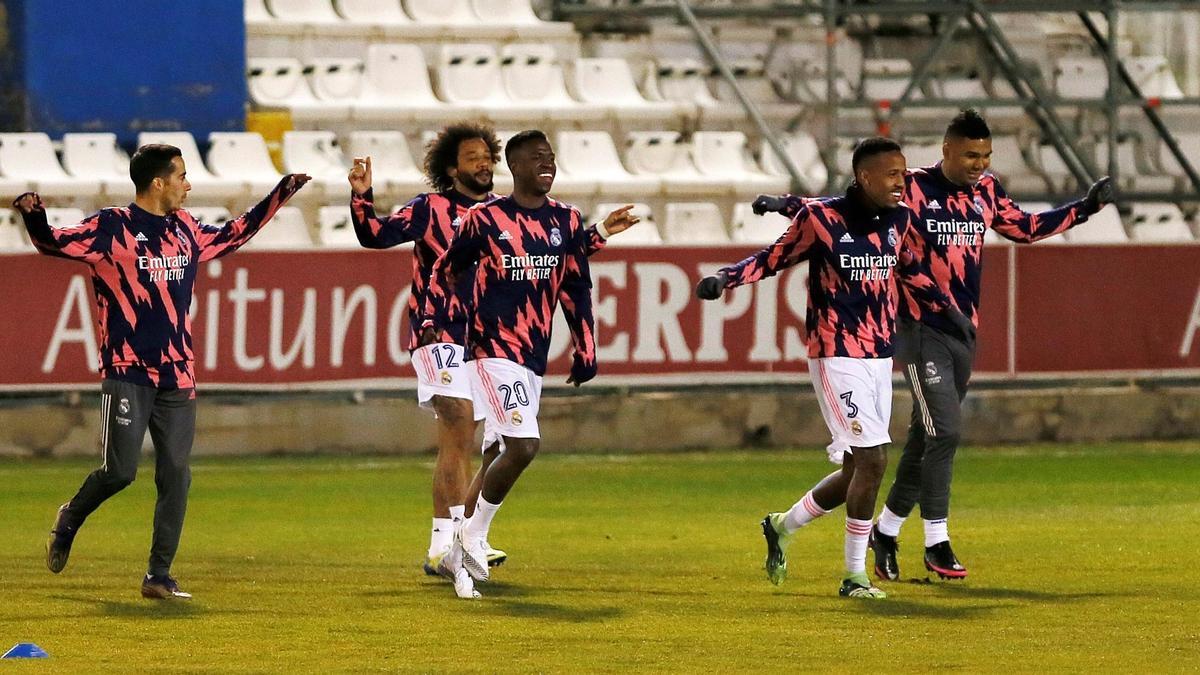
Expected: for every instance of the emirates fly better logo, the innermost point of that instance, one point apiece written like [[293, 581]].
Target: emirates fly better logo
[[529, 267]]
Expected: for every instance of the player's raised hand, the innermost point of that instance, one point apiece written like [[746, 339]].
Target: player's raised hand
[[1098, 195], [620, 220], [581, 370], [360, 175], [28, 203], [428, 336], [711, 287], [768, 203], [294, 181]]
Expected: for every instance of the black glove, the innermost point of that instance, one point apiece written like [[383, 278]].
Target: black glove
[[962, 324], [28, 202], [1098, 195], [710, 288], [766, 203], [581, 371]]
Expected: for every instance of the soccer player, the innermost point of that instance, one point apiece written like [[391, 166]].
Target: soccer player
[[955, 200], [853, 244], [458, 165], [526, 253], [144, 258]]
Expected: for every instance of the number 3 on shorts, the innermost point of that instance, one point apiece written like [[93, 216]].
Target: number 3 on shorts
[[851, 408]]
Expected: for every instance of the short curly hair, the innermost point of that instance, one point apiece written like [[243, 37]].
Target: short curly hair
[[442, 152]]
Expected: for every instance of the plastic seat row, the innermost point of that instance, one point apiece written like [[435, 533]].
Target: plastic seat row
[[469, 19]]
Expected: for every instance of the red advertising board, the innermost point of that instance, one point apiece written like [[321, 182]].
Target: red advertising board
[[337, 318]]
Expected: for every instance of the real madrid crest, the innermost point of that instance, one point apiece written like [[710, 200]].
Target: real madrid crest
[[892, 237], [978, 202], [516, 417], [856, 427], [446, 379], [555, 236]]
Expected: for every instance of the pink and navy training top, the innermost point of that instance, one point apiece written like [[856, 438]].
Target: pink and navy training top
[[949, 225], [143, 272], [851, 251], [430, 221], [526, 261]]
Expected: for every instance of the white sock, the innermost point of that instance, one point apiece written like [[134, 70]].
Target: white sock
[[479, 524], [439, 539], [857, 533], [458, 513], [890, 523], [802, 513], [935, 532]]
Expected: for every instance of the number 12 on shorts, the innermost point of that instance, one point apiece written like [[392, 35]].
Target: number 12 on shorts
[[437, 354]]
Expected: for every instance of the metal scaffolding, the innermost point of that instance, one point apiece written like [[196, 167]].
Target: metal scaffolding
[[957, 18]]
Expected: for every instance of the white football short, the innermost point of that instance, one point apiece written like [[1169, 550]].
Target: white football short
[[856, 401], [510, 395], [442, 371]]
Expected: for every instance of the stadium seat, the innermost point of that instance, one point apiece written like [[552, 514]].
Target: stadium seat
[[724, 155], [592, 155], [1189, 144], [609, 82], [811, 85], [256, 14], [1104, 227], [1158, 222], [280, 83], [317, 154], [334, 229], [1082, 77], [380, 13], [210, 215], [886, 79], [13, 238], [468, 76], [645, 233], [959, 86], [665, 154], [392, 165], [533, 78], [205, 185], [31, 157], [1135, 168], [1153, 76], [335, 79], [316, 14], [805, 154], [1010, 166], [11, 186], [64, 217], [396, 87], [286, 231], [694, 223], [96, 156], [520, 15], [751, 229], [752, 78], [684, 82], [242, 157], [441, 11]]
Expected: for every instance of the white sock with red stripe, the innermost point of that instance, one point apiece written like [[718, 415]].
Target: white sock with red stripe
[[890, 523], [479, 524], [935, 532], [802, 513], [857, 532]]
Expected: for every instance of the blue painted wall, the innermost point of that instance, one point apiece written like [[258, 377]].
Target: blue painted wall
[[127, 66]]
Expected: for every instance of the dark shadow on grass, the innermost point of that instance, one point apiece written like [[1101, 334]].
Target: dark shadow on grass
[[152, 609], [897, 607], [993, 593]]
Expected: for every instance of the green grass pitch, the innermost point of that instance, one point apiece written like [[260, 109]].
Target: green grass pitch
[[1080, 559]]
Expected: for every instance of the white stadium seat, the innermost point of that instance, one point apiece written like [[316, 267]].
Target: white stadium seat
[[592, 155], [13, 238], [384, 13], [1104, 227], [751, 229], [317, 154], [694, 223], [1083, 77], [645, 233], [335, 229], [609, 82], [205, 185], [1158, 222], [59, 217], [468, 76], [1153, 76], [286, 231], [97, 156], [276, 82], [519, 15], [886, 79], [396, 86], [805, 154], [242, 156], [31, 157], [684, 82], [392, 166], [444, 12], [335, 79], [724, 155], [666, 155], [314, 13], [533, 77]]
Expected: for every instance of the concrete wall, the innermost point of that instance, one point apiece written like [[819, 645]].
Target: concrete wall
[[612, 420]]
